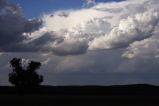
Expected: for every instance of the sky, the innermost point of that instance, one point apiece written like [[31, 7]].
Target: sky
[[32, 8], [82, 42]]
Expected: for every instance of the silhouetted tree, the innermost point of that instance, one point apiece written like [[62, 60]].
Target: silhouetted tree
[[25, 77]]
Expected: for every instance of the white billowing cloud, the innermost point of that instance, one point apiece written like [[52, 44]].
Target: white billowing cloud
[[103, 26], [72, 19], [147, 48], [133, 28], [108, 25], [70, 31]]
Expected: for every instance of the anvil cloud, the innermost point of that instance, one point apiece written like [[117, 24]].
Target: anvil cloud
[[127, 24]]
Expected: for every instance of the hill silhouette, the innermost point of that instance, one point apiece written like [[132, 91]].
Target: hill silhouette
[[125, 95], [134, 89]]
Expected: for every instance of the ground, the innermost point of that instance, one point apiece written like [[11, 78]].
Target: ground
[[130, 95]]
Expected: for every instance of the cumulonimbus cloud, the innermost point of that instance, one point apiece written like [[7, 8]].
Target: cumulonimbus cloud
[[109, 25], [146, 48], [12, 25], [132, 29]]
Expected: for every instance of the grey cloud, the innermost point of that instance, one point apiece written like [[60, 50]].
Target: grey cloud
[[71, 48], [93, 68], [13, 25], [41, 43], [89, 3], [63, 14], [100, 67], [74, 32]]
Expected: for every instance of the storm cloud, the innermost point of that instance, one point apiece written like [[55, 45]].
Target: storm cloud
[[103, 26], [12, 26], [89, 43], [111, 25]]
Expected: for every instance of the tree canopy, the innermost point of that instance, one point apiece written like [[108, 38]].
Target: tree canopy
[[25, 77]]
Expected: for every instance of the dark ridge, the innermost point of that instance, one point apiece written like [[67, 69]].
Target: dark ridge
[[122, 95], [135, 89]]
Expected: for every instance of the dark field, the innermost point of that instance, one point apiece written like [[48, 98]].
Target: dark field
[[128, 95]]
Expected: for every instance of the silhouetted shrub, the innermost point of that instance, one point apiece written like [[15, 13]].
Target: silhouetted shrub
[[25, 77]]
